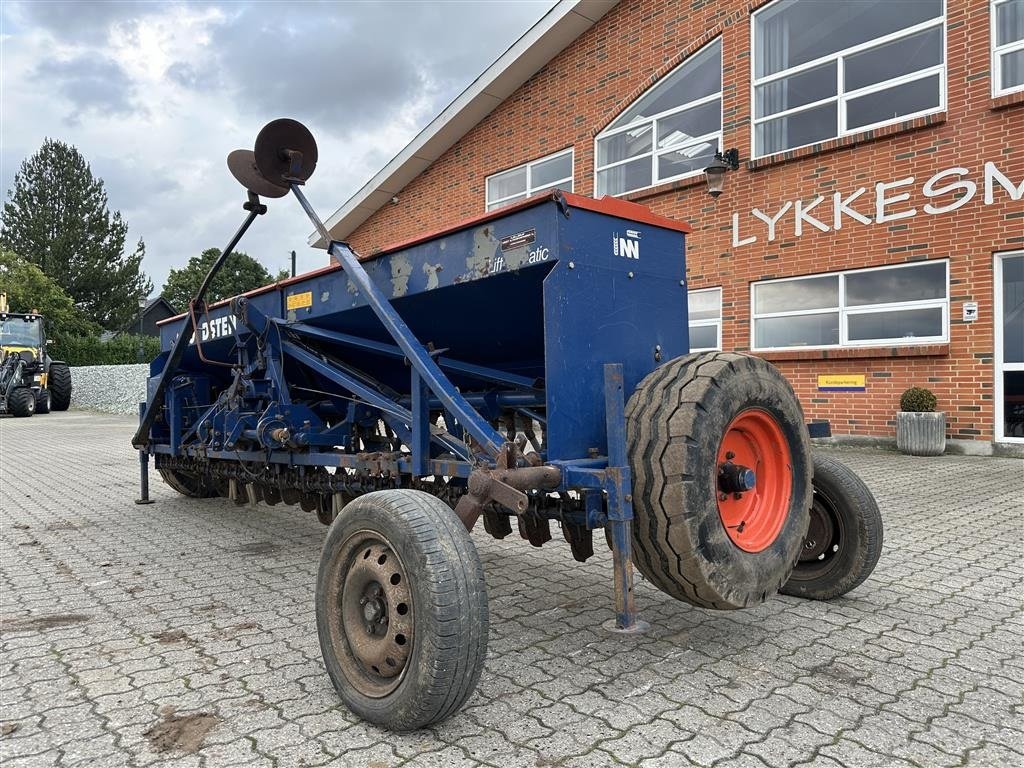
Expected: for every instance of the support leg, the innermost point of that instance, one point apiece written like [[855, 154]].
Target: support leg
[[143, 479], [620, 505]]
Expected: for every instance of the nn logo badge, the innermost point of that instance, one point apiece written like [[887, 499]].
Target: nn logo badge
[[627, 247]]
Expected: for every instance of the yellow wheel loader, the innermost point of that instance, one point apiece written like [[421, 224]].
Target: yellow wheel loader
[[30, 380]]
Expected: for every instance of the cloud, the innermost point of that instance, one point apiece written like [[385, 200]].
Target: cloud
[[155, 95], [90, 83]]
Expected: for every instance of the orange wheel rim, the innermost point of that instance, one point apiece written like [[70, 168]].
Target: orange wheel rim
[[754, 480]]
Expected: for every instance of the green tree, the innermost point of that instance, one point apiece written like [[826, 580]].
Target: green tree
[[28, 289], [57, 218], [239, 274]]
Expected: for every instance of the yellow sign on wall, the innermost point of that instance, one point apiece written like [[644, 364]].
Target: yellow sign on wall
[[299, 300], [841, 382]]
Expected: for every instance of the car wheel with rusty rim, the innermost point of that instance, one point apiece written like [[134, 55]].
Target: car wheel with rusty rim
[[401, 609], [844, 539], [721, 469]]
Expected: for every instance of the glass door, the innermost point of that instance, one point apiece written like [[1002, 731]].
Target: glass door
[[1009, 343]]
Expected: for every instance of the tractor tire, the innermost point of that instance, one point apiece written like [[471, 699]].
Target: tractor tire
[[698, 536], [844, 540], [401, 609], [43, 401], [21, 402], [59, 383], [188, 483]]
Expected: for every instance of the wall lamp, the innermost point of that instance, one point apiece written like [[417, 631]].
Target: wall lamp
[[715, 173]]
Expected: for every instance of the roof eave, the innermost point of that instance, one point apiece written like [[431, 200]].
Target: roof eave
[[542, 42]]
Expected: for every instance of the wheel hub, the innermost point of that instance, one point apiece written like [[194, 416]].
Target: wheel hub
[[820, 537], [755, 480], [375, 618]]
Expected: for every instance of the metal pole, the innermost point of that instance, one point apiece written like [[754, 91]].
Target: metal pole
[[141, 438], [620, 505], [143, 469], [293, 263]]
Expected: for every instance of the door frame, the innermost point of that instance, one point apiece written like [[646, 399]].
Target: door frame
[[997, 329]]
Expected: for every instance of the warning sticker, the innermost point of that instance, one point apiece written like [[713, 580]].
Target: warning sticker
[[299, 300], [518, 240]]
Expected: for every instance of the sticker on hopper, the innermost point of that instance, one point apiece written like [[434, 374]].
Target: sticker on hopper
[[300, 300], [518, 240]]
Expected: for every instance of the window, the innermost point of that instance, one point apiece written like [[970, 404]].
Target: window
[[1007, 46], [544, 175], [905, 304], [672, 131], [824, 69], [704, 308]]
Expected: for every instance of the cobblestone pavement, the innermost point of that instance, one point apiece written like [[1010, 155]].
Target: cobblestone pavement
[[182, 633]]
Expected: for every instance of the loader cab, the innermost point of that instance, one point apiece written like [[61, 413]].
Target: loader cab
[[22, 333]]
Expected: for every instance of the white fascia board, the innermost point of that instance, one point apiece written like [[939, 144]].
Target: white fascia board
[[542, 42]]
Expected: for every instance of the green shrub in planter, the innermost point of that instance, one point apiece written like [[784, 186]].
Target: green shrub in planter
[[918, 400], [920, 429]]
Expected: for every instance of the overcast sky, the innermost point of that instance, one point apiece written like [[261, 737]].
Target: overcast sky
[[155, 95]]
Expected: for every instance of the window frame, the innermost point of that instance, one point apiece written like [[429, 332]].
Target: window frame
[[705, 323], [528, 165], [996, 52], [652, 121], [845, 311], [842, 97]]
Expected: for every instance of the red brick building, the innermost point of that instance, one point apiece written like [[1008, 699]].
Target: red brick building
[[873, 231]]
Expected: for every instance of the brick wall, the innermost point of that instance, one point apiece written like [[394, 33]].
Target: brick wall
[[580, 91]]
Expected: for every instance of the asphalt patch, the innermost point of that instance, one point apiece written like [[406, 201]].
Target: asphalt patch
[[180, 733]]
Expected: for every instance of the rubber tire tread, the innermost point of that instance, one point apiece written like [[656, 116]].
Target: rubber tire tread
[[58, 380], [187, 484], [43, 401], [21, 402], [675, 421], [449, 602], [862, 519]]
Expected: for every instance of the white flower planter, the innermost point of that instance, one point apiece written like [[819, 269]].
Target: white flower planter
[[921, 434]]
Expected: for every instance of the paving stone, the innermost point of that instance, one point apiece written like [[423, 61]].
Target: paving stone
[[164, 610]]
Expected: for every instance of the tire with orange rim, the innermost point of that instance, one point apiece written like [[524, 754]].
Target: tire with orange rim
[[721, 468]]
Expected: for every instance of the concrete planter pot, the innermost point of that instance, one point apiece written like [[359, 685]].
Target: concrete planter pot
[[921, 434]]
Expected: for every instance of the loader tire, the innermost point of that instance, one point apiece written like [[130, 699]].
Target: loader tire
[[59, 384], [844, 540], [401, 609], [21, 402], [43, 401], [188, 483], [694, 426]]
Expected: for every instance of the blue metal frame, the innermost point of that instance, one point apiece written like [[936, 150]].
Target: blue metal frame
[[291, 398]]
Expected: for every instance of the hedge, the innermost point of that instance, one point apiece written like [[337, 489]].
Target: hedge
[[89, 350]]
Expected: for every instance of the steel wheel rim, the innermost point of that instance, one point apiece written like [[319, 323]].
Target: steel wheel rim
[[753, 519], [823, 541], [371, 614]]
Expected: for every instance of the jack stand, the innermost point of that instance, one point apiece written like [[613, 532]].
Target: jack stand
[[620, 506], [143, 479]]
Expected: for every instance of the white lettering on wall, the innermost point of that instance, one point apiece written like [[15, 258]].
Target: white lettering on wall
[[736, 242], [993, 174], [841, 205], [802, 216], [882, 200], [931, 190], [890, 202], [771, 221]]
